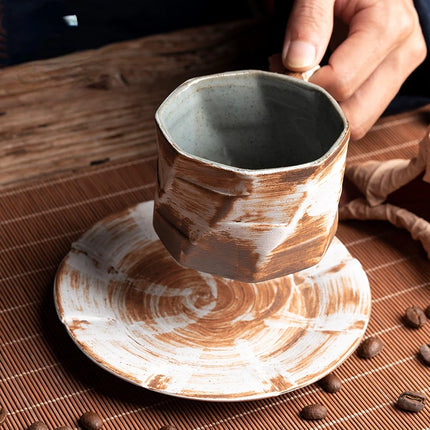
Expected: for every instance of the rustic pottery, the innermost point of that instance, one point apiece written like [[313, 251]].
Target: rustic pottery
[[138, 314], [250, 167]]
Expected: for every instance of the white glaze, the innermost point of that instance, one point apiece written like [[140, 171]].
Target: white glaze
[[174, 329]]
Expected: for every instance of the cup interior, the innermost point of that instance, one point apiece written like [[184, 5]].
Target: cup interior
[[254, 120]]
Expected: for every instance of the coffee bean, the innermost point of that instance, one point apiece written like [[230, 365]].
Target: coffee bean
[[3, 413], [330, 383], [168, 427], [91, 421], [313, 412], [415, 317], [411, 401], [427, 311], [425, 354], [63, 428], [38, 425], [370, 348]]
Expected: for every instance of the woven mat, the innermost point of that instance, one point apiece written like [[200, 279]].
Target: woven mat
[[44, 376]]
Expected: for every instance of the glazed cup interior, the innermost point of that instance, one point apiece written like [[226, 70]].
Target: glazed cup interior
[[252, 121]]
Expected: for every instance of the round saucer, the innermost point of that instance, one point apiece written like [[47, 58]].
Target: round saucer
[[133, 310]]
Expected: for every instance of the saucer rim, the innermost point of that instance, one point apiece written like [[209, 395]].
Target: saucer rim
[[95, 358]]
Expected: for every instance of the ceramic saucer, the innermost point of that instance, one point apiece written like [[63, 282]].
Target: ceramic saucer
[[133, 310]]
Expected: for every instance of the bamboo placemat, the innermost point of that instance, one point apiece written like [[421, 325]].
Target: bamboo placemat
[[44, 376]]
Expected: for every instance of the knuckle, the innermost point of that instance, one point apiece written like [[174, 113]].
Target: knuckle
[[358, 132], [313, 10], [400, 20], [418, 52], [405, 21], [357, 126], [404, 25], [343, 89], [313, 15]]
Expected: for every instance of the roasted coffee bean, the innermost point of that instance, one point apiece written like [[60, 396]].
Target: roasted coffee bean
[[370, 347], [38, 425], [91, 421], [3, 413], [427, 311], [330, 383], [415, 317], [168, 427], [313, 412], [425, 354], [411, 401]]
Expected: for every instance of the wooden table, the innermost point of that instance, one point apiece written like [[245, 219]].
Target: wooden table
[[94, 106], [77, 144]]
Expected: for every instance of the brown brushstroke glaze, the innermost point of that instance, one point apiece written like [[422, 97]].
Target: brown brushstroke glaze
[[240, 223], [137, 313]]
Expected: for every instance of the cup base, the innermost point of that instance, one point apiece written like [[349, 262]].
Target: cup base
[[228, 260]]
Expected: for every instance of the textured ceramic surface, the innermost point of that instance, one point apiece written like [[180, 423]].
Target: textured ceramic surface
[[249, 174], [137, 313]]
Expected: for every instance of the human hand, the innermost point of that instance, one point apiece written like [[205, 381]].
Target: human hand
[[383, 45]]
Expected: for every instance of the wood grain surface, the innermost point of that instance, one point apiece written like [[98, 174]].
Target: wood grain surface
[[93, 106]]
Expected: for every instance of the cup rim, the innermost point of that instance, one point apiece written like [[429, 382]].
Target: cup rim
[[343, 136]]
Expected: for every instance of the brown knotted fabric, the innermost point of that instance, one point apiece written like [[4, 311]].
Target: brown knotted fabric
[[396, 190]]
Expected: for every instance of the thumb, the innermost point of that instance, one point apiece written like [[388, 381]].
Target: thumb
[[308, 33]]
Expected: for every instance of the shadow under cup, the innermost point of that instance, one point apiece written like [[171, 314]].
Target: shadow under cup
[[249, 174]]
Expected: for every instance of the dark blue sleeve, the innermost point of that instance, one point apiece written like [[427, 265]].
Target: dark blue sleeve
[[39, 29], [31, 23]]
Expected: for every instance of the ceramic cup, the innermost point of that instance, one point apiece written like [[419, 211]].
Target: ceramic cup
[[249, 175]]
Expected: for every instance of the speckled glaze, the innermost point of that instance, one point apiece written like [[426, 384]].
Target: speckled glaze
[[250, 170], [133, 310]]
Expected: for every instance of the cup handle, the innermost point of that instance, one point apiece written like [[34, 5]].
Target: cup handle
[[276, 66], [304, 76]]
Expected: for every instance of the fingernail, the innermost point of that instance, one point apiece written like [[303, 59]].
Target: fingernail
[[300, 55]]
